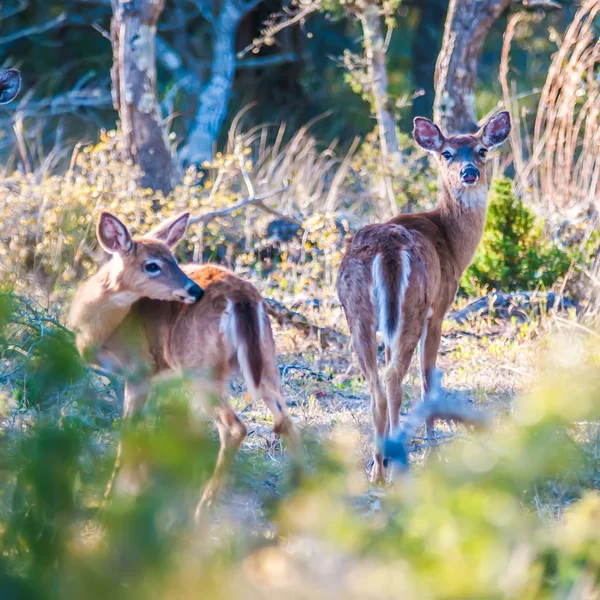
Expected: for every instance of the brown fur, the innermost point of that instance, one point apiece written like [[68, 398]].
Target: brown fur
[[152, 336], [436, 246]]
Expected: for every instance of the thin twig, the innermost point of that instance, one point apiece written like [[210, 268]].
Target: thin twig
[[577, 326], [34, 30], [256, 201], [270, 31]]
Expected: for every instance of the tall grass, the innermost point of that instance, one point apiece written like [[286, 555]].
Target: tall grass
[[557, 162]]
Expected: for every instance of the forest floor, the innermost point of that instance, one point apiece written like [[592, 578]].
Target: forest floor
[[487, 364]]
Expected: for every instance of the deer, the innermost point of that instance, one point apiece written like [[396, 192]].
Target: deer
[[10, 83], [399, 278], [142, 314]]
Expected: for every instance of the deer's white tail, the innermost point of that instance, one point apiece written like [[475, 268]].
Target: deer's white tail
[[241, 326], [390, 280]]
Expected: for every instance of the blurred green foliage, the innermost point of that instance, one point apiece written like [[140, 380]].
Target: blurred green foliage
[[514, 253], [484, 521]]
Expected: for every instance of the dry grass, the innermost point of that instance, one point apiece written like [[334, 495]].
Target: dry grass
[[556, 161]]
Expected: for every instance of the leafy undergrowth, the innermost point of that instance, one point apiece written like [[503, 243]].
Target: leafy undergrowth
[[509, 512]]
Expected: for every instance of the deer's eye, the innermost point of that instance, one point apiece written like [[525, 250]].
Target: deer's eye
[[152, 268], [447, 155], [483, 152]]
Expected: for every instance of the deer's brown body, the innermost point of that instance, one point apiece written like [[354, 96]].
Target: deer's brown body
[[400, 277], [125, 322]]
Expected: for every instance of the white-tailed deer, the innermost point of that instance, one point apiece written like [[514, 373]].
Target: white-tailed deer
[[143, 310], [400, 277], [10, 82]]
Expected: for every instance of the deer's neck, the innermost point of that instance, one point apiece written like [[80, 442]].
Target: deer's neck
[[463, 216], [99, 307]]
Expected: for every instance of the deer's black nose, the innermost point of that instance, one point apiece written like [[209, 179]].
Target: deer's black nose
[[469, 174], [195, 291]]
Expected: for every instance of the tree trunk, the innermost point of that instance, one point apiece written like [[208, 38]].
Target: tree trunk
[[214, 98], [133, 32], [374, 43], [467, 26], [375, 55]]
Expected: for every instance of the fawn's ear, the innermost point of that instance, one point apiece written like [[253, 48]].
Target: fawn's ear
[[428, 135], [10, 82], [170, 232], [113, 236], [496, 130]]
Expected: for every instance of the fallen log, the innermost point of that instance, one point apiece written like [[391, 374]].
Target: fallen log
[[518, 304], [286, 316]]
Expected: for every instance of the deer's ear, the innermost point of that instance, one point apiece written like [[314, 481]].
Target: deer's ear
[[113, 236], [496, 130], [10, 82], [170, 232], [428, 135]]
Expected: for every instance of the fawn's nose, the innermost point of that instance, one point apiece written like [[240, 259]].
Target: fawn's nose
[[195, 291], [469, 174]]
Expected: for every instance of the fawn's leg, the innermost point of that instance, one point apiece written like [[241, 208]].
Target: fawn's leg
[[272, 395], [135, 397], [231, 434]]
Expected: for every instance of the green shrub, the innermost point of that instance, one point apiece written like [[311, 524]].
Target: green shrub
[[514, 253]]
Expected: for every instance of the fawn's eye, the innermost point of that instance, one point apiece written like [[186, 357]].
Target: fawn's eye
[[447, 155], [152, 268], [483, 152]]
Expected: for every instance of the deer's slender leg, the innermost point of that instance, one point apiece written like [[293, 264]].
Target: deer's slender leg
[[135, 397], [364, 342], [231, 434], [396, 370], [272, 395], [428, 352]]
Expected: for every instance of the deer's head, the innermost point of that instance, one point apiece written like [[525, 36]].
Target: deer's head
[[144, 267], [462, 157]]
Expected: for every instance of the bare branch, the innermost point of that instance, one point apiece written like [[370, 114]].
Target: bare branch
[[280, 21], [286, 316], [34, 30], [260, 62], [63, 104], [14, 10], [256, 201], [205, 8]]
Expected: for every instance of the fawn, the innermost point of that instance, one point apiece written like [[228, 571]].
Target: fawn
[[400, 277], [142, 309], [10, 82]]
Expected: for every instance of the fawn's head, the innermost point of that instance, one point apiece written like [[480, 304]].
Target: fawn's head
[[145, 267], [10, 82], [462, 157]]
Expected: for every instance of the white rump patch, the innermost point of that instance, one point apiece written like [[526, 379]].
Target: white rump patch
[[236, 347], [380, 297], [261, 315]]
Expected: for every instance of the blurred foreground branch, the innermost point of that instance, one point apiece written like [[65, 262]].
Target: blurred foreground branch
[[435, 406]]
